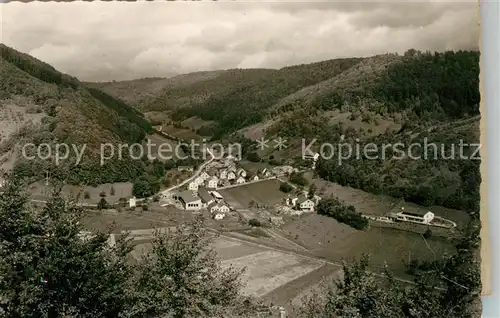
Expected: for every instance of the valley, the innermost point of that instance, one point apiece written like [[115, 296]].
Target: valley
[[287, 250]]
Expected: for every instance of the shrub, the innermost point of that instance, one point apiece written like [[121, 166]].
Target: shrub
[[343, 213], [86, 195], [298, 178], [285, 187], [428, 234], [254, 222], [254, 157], [112, 191]]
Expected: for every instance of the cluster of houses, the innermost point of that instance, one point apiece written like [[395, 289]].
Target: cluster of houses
[[223, 173], [202, 198], [302, 203]]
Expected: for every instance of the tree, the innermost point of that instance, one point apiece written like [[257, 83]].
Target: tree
[[427, 234], [102, 204], [298, 178], [357, 294], [112, 191], [286, 187], [48, 270], [312, 191], [173, 277], [254, 157]]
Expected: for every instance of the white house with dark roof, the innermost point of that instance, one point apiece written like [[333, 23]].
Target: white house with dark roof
[[240, 180], [302, 202], [193, 186], [212, 182], [224, 208], [204, 175], [231, 175]]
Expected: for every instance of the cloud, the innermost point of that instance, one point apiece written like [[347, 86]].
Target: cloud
[[124, 40]]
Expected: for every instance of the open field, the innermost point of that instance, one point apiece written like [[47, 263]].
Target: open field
[[169, 149], [127, 219], [265, 192], [372, 204], [293, 292], [327, 238], [266, 270], [182, 133], [40, 191]]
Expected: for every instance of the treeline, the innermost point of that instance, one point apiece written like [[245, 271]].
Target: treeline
[[37, 68], [343, 213], [446, 83], [121, 108]]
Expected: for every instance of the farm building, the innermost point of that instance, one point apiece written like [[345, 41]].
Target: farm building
[[412, 215], [205, 176], [189, 200], [231, 175], [206, 197]]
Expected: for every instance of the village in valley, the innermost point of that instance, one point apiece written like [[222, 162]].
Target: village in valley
[[204, 191]]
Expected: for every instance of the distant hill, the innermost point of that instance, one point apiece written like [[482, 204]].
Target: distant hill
[[42, 105], [386, 98], [142, 92]]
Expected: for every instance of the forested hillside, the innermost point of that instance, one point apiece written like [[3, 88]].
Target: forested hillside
[[70, 113]]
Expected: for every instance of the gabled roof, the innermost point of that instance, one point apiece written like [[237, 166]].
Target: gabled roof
[[302, 198], [188, 196], [204, 195]]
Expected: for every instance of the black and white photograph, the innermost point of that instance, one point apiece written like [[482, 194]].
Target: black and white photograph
[[241, 159]]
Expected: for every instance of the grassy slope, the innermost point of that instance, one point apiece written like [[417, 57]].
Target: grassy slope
[[73, 114]]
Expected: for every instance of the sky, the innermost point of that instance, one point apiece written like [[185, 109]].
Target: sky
[[103, 41]]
